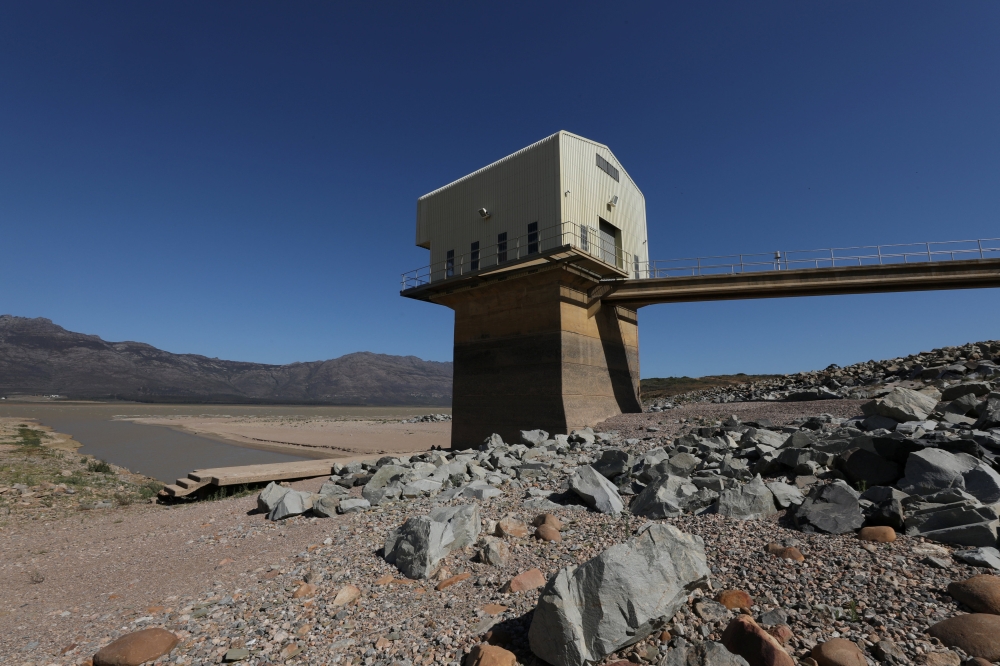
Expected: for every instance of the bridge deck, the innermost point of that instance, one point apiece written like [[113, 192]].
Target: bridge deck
[[932, 275]]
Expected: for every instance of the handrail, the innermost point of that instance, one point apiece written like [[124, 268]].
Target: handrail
[[583, 238], [861, 255]]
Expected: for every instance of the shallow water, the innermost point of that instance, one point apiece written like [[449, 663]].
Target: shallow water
[[164, 453]]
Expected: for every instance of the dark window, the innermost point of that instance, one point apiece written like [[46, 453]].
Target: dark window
[[449, 264], [474, 259], [584, 238], [533, 238], [636, 267], [608, 243], [607, 167], [501, 247]]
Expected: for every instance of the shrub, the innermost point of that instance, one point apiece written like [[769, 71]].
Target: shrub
[[99, 466]]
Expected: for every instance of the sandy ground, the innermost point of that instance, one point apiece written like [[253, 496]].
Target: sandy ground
[[313, 436], [9, 428]]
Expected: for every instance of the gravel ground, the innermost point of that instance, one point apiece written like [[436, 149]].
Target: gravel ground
[[222, 577]]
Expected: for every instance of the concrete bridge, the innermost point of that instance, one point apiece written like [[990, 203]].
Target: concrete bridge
[[547, 341]]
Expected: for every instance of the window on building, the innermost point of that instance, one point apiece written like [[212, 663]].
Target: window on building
[[533, 238], [584, 238], [474, 257], [449, 264], [607, 167], [608, 251], [636, 263], [501, 247]]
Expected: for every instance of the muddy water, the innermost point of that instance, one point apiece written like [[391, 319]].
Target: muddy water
[[167, 454]]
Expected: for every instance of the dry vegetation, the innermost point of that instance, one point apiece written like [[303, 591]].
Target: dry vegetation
[[667, 387]]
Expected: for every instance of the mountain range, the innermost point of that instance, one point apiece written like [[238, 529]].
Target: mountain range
[[40, 357]]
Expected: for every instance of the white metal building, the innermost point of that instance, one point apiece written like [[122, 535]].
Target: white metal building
[[563, 197]]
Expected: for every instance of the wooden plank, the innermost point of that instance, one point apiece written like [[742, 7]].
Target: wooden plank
[[229, 476]]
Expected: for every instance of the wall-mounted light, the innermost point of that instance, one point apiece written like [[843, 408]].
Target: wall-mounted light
[[483, 213], [614, 201]]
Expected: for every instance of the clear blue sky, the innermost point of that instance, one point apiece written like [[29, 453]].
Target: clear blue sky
[[240, 179]]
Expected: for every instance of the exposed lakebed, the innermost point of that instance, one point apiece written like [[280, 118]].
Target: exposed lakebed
[[166, 453]]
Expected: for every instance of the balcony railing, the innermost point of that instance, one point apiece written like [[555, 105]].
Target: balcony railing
[[584, 239], [863, 255]]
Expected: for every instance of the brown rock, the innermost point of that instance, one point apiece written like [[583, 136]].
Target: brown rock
[[348, 594], [976, 633], [782, 632], [384, 580], [547, 533], [733, 599], [304, 590], [838, 652], [981, 593], [382, 643], [451, 581], [511, 527], [665, 636], [136, 648], [791, 553], [547, 519], [746, 638], [979, 661], [877, 534], [946, 658], [485, 654], [529, 580], [494, 609]]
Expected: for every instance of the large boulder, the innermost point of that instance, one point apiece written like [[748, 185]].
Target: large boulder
[[595, 490], [416, 546], [930, 470], [978, 634], [270, 496], [751, 501], [292, 503], [785, 494], [664, 497], [832, 508], [618, 598], [871, 469], [981, 593], [989, 416], [613, 462], [903, 404], [534, 437], [746, 638]]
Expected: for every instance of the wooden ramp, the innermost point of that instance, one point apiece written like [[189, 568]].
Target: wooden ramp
[[248, 475]]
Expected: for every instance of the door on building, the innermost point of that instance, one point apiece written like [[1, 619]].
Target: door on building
[[608, 243]]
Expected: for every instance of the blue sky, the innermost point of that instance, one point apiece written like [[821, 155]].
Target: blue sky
[[240, 179]]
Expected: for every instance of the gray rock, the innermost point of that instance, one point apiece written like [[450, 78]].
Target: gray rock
[[596, 491], [618, 598], [980, 557], [708, 653], [376, 495], [682, 464], [270, 496], [480, 490], [774, 616], [334, 490], [421, 487], [877, 422], [326, 506], [983, 483], [584, 436], [861, 466], [989, 414], [613, 462], [904, 404], [663, 497], [386, 475], [970, 388], [833, 508], [930, 470], [292, 503], [711, 611], [416, 546], [962, 523], [354, 505], [785, 495], [494, 552], [534, 437], [798, 439], [752, 501]]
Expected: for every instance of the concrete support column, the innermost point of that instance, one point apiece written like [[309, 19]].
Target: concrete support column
[[533, 351]]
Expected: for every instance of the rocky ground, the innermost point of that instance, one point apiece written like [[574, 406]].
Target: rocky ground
[[420, 560]]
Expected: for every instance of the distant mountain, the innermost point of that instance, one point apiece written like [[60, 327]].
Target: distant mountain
[[39, 357]]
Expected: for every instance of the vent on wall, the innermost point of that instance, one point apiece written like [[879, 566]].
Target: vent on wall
[[607, 167]]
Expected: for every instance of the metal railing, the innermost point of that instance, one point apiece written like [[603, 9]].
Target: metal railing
[[862, 255], [583, 238]]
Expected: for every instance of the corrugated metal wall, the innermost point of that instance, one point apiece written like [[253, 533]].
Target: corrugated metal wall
[[517, 190], [590, 189], [530, 186]]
